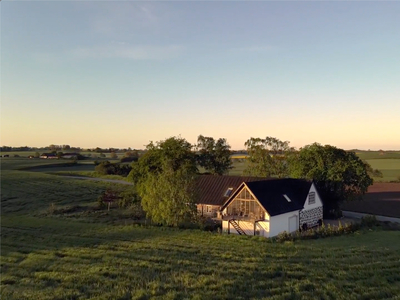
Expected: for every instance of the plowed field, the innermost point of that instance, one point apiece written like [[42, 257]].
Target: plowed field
[[382, 199]]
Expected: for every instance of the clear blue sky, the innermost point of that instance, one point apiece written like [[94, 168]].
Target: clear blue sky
[[120, 74]]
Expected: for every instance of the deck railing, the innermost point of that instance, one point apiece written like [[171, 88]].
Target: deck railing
[[251, 218]]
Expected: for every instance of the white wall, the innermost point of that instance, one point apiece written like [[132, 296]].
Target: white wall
[[247, 227], [318, 201], [280, 223], [268, 228], [263, 226]]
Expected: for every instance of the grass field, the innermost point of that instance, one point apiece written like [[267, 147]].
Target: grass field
[[388, 162], [389, 167], [25, 154], [58, 259], [378, 154], [93, 256]]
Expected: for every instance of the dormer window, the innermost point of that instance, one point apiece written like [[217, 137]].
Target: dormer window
[[228, 192], [311, 198], [287, 198]]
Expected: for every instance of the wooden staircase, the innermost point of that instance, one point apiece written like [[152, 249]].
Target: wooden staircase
[[237, 227]]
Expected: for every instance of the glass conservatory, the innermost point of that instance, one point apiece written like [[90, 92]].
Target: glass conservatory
[[245, 206]]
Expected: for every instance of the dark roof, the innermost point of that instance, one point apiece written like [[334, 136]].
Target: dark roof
[[212, 188], [270, 193]]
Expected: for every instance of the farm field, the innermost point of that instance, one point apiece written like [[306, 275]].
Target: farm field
[[389, 167], [388, 164], [383, 198], [95, 255], [378, 154]]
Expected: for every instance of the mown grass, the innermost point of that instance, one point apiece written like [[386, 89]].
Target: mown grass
[[378, 154], [91, 174], [389, 167], [33, 192], [57, 259]]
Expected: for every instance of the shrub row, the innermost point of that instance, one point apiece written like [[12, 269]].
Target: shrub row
[[327, 231]]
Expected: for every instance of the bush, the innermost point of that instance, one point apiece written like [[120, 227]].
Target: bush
[[137, 211], [284, 236], [333, 214], [128, 198], [326, 231], [369, 221], [107, 168], [128, 159], [104, 168], [208, 224]]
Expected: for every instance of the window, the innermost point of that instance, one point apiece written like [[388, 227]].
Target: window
[[228, 192], [287, 198], [311, 198], [244, 205]]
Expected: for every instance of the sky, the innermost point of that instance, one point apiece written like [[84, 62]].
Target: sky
[[124, 73]]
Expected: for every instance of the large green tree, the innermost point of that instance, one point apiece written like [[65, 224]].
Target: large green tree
[[339, 175], [169, 197], [165, 178], [214, 155], [267, 157]]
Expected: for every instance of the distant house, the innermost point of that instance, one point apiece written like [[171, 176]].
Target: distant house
[[257, 206], [70, 155], [48, 155]]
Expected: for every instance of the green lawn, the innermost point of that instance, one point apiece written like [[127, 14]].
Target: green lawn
[[57, 259], [390, 168], [25, 154], [29, 192], [378, 154], [89, 254]]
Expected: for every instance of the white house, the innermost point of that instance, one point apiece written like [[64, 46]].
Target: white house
[[269, 207]]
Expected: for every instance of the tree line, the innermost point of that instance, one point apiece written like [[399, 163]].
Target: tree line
[[165, 174]]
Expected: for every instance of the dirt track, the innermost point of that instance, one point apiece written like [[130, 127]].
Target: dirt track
[[381, 199]]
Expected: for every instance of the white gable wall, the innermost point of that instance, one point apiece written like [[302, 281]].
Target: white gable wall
[[280, 223], [311, 213], [318, 201]]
